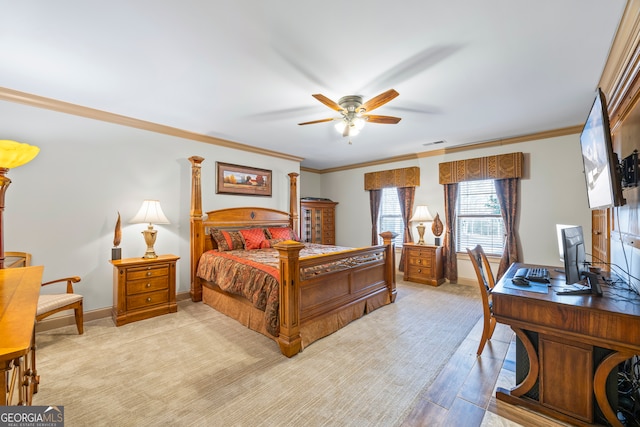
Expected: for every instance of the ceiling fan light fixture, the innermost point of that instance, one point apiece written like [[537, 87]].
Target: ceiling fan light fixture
[[355, 125]]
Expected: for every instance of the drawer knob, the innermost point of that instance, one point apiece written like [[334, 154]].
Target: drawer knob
[[419, 270], [148, 285], [148, 273], [149, 299]]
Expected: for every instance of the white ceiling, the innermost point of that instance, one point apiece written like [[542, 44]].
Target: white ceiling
[[244, 70]]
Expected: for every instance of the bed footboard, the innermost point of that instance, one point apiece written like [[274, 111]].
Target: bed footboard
[[317, 286]]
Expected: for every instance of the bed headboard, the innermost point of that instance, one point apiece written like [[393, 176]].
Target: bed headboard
[[239, 218], [233, 218]]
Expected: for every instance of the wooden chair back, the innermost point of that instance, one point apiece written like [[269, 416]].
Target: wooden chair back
[[49, 304], [486, 283], [17, 259]]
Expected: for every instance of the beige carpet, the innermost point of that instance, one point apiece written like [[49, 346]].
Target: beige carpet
[[200, 368]]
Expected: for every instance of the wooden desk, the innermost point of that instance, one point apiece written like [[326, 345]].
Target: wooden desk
[[19, 291], [572, 343]]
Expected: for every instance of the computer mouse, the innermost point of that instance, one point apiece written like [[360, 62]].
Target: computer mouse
[[520, 281]]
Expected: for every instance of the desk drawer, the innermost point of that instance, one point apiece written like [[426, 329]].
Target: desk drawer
[[147, 300]]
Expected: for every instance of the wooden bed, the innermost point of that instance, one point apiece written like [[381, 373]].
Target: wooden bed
[[315, 297]]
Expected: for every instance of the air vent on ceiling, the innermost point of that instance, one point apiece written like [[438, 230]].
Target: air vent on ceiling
[[433, 143]]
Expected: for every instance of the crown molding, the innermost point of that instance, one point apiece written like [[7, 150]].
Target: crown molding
[[91, 113], [571, 130]]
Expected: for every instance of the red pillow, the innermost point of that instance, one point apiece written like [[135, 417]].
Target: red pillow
[[253, 237], [284, 233]]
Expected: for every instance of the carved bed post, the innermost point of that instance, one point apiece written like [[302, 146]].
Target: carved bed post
[[293, 201], [387, 238], [289, 338], [197, 238]]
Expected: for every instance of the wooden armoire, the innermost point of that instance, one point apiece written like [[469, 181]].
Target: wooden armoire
[[318, 221]]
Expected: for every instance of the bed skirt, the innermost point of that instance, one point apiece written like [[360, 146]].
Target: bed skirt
[[311, 330]]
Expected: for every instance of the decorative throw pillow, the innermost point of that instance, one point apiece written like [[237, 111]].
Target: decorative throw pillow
[[227, 240], [284, 233], [269, 243], [253, 237]]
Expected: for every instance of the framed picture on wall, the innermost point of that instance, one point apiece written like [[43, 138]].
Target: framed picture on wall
[[244, 180]]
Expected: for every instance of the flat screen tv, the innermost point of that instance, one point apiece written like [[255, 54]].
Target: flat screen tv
[[601, 166]]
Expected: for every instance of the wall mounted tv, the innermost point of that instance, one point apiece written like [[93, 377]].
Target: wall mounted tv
[[601, 166]]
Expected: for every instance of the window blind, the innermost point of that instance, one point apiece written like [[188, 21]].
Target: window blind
[[479, 218]]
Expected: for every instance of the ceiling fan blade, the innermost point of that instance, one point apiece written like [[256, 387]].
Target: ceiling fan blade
[[326, 101], [315, 121], [379, 100], [386, 120]]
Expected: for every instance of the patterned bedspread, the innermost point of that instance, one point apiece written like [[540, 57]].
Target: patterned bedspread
[[254, 275]]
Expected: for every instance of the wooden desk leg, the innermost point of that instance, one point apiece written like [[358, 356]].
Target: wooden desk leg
[[599, 385], [532, 375], [5, 371]]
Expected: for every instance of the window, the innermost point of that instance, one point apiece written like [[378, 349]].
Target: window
[[390, 217], [479, 218]]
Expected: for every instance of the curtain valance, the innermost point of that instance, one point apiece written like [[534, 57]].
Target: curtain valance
[[491, 167], [403, 177]]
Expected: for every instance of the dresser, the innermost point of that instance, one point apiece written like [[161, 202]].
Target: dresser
[[318, 221], [143, 288], [423, 264]]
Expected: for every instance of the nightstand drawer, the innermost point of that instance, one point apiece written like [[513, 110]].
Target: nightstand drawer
[[147, 299], [420, 272], [147, 272], [421, 262], [420, 253], [147, 285]]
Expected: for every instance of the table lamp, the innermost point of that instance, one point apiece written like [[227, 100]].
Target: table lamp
[[12, 155], [421, 215], [150, 213]]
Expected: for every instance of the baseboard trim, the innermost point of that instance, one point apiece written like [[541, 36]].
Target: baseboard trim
[[63, 320]]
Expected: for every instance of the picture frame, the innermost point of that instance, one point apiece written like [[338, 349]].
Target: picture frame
[[243, 180]]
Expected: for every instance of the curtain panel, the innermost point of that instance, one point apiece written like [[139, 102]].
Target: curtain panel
[[406, 196], [374, 205]]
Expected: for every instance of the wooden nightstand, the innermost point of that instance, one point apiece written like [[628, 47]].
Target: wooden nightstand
[[143, 288], [423, 264]]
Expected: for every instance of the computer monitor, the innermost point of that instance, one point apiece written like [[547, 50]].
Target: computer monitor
[[575, 265], [559, 228], [573, 253]]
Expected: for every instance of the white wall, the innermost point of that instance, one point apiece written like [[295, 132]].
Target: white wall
[[552, 191], [310, 184], [62, 206]]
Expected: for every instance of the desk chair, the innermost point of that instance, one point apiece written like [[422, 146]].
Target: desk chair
[[486, 282], [49, 304], [17, 259]]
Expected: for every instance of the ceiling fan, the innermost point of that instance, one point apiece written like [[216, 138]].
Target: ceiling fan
[[354, 113]]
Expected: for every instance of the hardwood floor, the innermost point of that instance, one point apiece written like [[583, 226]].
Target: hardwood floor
[[463, 394]]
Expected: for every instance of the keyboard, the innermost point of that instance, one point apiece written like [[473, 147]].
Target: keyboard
[[536, 274]]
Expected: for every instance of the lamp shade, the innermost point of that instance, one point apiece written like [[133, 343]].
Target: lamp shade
[[421, 214], [14, 154], [151, 213]]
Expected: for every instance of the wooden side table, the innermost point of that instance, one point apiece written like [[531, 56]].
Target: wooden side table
[[423, 264], [143, 288]]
